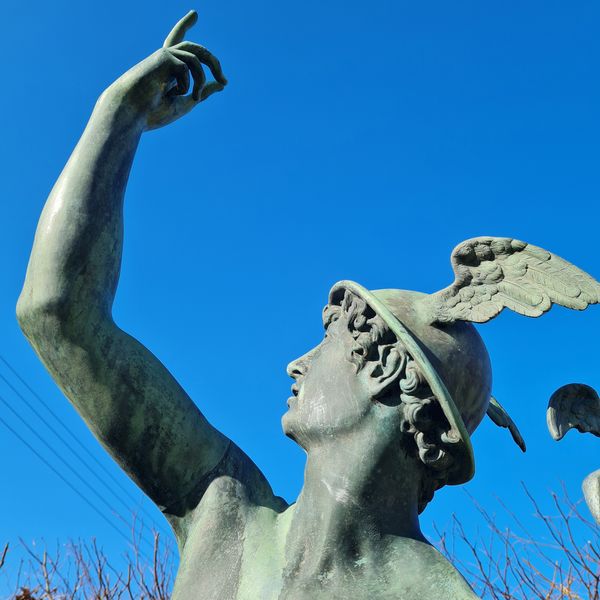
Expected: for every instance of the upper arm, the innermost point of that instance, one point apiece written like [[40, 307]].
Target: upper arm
[[131, 403]]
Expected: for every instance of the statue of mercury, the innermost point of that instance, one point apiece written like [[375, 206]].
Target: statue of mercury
[[384, 406]]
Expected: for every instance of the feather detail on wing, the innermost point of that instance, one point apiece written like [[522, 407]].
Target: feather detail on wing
[[573, 406], [501, 418], [496, 273]]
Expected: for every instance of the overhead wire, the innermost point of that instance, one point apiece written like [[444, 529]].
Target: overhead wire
[[66, 464], [68, 483], [77, 441]]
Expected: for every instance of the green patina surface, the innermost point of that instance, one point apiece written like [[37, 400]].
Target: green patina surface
[[383, 406]]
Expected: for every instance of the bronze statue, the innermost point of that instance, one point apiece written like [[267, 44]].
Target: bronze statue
[[384, 406], [577, 406]]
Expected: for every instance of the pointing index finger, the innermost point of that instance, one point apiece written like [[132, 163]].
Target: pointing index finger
[[178, 32]]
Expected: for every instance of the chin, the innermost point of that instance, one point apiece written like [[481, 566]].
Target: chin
[[287, 424], [290, 429]]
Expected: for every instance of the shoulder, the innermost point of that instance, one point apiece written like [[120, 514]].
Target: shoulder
[[425, 573], [228, 492]]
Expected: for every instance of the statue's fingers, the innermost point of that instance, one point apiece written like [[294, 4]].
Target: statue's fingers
[[210, 89], [179, 106], [205, 57], [181, 73], [178, 32], [195, 66]]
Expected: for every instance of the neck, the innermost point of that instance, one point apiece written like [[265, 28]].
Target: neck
[[356, 500]]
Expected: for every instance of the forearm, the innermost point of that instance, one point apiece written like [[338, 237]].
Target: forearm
[[76, 254], [77, 250]]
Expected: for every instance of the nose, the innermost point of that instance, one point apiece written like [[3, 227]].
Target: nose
[[297, 368]]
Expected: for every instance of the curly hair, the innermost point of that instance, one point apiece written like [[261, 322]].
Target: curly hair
[[424, 425]]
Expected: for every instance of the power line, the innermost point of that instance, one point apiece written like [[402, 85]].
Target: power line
[[68, 483], [75, 438], [65, 463], [53, 430]]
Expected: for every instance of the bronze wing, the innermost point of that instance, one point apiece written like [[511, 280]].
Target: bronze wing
[[501, 418], [573, 406], [492, 274]]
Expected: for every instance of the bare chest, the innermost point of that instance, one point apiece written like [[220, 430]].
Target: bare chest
[[251, 561]]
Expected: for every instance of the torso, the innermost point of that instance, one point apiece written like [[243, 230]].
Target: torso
[[236, 550]]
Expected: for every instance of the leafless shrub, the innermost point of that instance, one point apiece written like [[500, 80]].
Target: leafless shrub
[[85, 572], [511, 564], [3, 556]]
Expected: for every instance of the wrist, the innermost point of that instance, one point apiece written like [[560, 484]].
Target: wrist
[[115, 109]]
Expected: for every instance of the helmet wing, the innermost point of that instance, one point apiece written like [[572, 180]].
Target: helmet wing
[[573, 406], [501, 418], [492, 274]]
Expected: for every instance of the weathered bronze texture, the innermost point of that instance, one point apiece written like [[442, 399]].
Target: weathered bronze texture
[[577, 406], [384, 406]]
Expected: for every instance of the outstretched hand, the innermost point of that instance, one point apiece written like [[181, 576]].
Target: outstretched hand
[[194, 56], [157, 88]]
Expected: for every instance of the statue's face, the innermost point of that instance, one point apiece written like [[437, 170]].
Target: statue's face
[[329, 396]]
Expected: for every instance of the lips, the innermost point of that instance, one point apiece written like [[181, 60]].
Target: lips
[[295, 392]]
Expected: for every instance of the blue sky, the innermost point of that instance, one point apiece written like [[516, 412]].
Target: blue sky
[[355, 141]]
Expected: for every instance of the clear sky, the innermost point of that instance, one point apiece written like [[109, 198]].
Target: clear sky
[[355, 141]]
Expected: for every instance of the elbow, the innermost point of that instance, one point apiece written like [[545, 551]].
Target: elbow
[[43, 317], [33, 316], [24, 311], [57, 319]]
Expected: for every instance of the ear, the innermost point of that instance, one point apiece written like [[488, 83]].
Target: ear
[[386, 370]]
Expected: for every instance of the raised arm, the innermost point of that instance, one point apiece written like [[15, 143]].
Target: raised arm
[[127, 397]]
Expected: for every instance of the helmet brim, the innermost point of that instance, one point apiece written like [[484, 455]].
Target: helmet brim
[[457, 434]]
